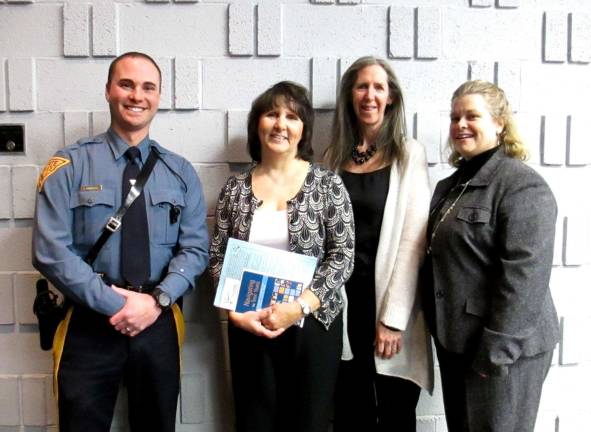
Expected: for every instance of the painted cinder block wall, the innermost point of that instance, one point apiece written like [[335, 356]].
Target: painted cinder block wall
[[216, 56]]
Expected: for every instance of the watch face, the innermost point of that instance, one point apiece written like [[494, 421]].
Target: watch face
[[163, 300], [305, 307]]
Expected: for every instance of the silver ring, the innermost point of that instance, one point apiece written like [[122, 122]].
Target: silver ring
[[127, 329]]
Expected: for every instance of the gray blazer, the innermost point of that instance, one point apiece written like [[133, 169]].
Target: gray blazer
[[491, 260]]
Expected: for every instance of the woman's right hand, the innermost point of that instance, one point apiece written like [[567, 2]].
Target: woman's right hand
[[252, 322], [388, 341]]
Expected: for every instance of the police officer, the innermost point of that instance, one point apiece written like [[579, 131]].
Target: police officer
[[117, 329]]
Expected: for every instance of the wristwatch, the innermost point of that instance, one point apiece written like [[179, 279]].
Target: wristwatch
[[162, 298], [306, 309]]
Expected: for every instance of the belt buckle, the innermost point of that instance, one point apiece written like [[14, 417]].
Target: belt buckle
[[133, 288], [113, 224]]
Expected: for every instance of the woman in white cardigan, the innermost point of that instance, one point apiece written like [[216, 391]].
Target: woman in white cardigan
[[388, 358]]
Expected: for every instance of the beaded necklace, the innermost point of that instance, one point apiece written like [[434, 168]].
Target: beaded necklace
[[361, 157]]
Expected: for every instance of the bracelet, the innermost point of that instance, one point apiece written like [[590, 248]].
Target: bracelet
[[390, 328]]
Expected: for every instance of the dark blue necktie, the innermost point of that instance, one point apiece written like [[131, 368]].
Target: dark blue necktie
[[135, 238]]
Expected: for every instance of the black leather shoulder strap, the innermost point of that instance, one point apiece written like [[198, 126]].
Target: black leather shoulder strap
[[116, 220]]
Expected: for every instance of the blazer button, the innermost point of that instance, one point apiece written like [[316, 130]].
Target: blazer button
[[439, 294], [473, 217]]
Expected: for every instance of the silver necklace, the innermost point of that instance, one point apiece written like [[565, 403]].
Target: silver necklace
[[447, 212]]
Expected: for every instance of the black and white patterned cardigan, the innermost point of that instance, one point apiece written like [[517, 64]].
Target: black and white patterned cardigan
[[320, 223]]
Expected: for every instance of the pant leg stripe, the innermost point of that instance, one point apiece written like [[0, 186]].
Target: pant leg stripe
[[59, 340], [180, 329]]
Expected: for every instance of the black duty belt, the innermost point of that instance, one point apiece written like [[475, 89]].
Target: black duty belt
[[144, 288]]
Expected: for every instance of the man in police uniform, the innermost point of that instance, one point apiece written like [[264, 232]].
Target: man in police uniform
[[116, 330]]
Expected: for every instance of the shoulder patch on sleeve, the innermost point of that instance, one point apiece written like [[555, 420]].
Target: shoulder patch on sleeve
[[54, 164]]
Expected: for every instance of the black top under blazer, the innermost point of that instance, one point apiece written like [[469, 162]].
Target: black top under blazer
[[491, 261]]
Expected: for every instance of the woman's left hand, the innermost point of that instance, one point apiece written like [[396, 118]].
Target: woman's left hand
[[388, 341], [283, 315]]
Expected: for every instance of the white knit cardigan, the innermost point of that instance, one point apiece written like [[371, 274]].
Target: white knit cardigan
[[400, 252]]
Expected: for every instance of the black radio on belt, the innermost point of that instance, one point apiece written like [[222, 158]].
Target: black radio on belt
[[175, 212]]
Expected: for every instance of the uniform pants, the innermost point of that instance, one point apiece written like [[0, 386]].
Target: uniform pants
[[494, 404], [285, 384], [96, 358]]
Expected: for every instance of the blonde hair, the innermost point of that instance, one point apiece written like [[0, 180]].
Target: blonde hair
[[499, 108], [345, 128]]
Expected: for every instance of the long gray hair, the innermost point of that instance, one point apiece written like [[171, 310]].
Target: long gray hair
[[345, 127]]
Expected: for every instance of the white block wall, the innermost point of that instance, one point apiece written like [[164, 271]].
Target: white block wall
[[216, 56]]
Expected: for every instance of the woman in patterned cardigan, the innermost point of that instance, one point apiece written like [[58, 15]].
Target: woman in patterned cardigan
[[286, 202]]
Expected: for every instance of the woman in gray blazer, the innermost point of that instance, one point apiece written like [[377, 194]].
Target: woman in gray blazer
[[485, 279]]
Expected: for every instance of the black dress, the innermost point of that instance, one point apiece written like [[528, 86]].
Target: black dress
[[364, 399], [368, 193]]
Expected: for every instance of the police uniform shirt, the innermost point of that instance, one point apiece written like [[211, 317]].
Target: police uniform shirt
[[80, 189]]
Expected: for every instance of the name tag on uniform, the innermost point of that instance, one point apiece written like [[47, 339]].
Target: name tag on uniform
[[91, 188]]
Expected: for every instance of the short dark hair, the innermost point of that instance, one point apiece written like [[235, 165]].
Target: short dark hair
[[134, 54], [296, 97]]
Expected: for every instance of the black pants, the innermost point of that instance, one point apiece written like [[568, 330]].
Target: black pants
[[96, 358], [494, 404], [285, 384], [367, 401]]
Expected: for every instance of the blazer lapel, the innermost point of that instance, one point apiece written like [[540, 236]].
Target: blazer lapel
[[484, 175], [442, 189]]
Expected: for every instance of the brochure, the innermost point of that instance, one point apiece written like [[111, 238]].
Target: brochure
[[259, 291], [254, 277]]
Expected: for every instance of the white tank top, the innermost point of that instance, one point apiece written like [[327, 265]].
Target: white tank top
[[269, 228]]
